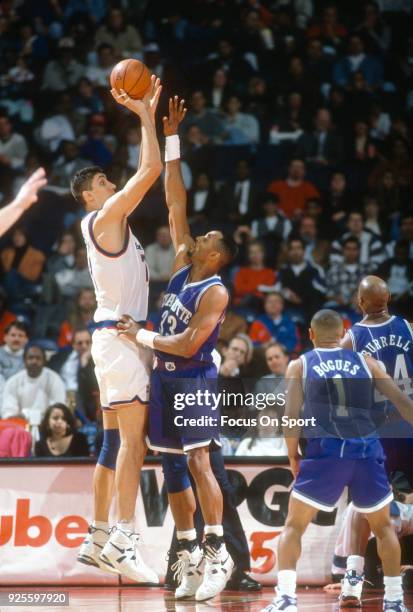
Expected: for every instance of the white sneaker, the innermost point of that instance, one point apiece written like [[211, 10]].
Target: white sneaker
[[351, 588], [90, 550], [121, 552], [218, 568], [284, 602], [188, 569]]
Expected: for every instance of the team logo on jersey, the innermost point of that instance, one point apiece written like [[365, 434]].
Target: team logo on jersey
[[170, 366]]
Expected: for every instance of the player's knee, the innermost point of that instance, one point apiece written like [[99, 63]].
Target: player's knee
[[198, 462], [175, 470], [384, 530], [296, 525], [110, 447]]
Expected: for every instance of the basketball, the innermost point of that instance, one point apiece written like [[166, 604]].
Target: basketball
[[132, 76]]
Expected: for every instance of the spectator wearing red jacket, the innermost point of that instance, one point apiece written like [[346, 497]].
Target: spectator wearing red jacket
[[250, 277]]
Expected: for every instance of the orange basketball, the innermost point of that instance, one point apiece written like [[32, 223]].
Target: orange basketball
[[132, 76]]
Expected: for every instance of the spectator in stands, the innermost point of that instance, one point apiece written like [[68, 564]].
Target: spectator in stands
[[357, 60], [99, 75], [316, 248], [391, 196], [374, 31], [238, 70], [207, 121], [274, 324], [399, 162], [59, 437], [124, 38], [71, 280], [264, 439], [343, 278], [371, 248], [294, 191], [301, 284], [28, 393], [362, 148], [87, 101], [240, 128], [16, 336], [81, 315], [202, 203], [248, 278], [323, 145], [337, 201], [398, 273], [239, 353], [272, 229], [66, 165], [294, 116], [160, 255], [405, 234], [197, 150], [218, 91], [276, 358], [330, 31], [241, 193], [77, 370], [57, 126], [6, 317], [372, 219], [13, 152], [318, 63], [99, 145], [64, 71]]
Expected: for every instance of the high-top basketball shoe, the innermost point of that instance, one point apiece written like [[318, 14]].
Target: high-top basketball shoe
[[283, 602], [351, 588], [92, 547], [188, 569], [121, 552], [218, 568]]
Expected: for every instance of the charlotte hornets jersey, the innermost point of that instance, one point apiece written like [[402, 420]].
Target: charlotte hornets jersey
[[390, 342], [121, 280], [338, 392], [179, 304]]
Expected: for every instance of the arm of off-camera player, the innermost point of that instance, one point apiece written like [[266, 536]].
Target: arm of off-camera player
[[293, 404], [346, 342], [178, 222], [123, 203], [208, 314], [387, 387]]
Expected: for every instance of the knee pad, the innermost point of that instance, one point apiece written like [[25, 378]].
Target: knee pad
[[110, 447], [175, 471]]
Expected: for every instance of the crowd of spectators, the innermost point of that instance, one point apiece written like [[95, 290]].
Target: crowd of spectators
[[297, 140]]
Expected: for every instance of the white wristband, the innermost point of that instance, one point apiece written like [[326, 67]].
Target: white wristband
[[146, 337], [172, 148]]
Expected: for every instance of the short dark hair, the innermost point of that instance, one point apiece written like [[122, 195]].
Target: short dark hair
[[82, 181], [67, 415], [31, 345], [228, 247], [18, 325], [326, 320], [295, 238], [351, 239]]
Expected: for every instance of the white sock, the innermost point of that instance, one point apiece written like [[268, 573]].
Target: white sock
[[104, 525], [217, 530], [355, 562], [126, 526], [188, 534], [393, 590], [287, 582]]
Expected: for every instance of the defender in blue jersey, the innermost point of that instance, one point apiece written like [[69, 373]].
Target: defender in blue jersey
[[390, 340], [184, 373], [336, 386]]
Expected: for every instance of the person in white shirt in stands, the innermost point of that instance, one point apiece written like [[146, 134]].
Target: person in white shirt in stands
[[11, 354], [100, 74], [160, 255], [30, 392]]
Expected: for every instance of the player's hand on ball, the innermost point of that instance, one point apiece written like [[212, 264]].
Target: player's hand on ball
[[128, 327], [27, 193], [177, 112]]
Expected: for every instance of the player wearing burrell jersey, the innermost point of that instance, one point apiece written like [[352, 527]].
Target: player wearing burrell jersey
[[191, 314], [390, 340], [120, 277], [335, 387]]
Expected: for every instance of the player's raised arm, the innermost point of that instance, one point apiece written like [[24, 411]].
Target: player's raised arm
[[293, 405], [186, 344], [124, 202], [174, 185], [26, 196], [386, 385]]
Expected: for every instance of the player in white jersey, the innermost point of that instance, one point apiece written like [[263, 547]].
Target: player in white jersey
[[120, 277]]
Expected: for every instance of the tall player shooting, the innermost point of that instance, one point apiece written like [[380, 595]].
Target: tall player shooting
[[390, 340], [336, 386], [120, 276], [191, 313]]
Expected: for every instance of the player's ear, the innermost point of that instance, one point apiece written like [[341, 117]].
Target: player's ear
[[310, 334], [87, 196]]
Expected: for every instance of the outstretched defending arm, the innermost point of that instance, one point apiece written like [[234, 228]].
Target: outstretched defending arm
[[123, 203], [174, 185], [26, 196], [186, 344]]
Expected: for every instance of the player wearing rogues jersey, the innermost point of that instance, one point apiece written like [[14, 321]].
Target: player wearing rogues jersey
[[335, 386], [120, 277]]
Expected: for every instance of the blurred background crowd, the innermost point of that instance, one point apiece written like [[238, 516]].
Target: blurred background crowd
[[297, 140]]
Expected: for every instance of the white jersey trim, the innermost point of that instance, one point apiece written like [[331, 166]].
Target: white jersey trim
[[377, 324]]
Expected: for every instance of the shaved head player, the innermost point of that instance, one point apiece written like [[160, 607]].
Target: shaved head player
[[120, 277], [336, 386], [191, 314], [390, 340]]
